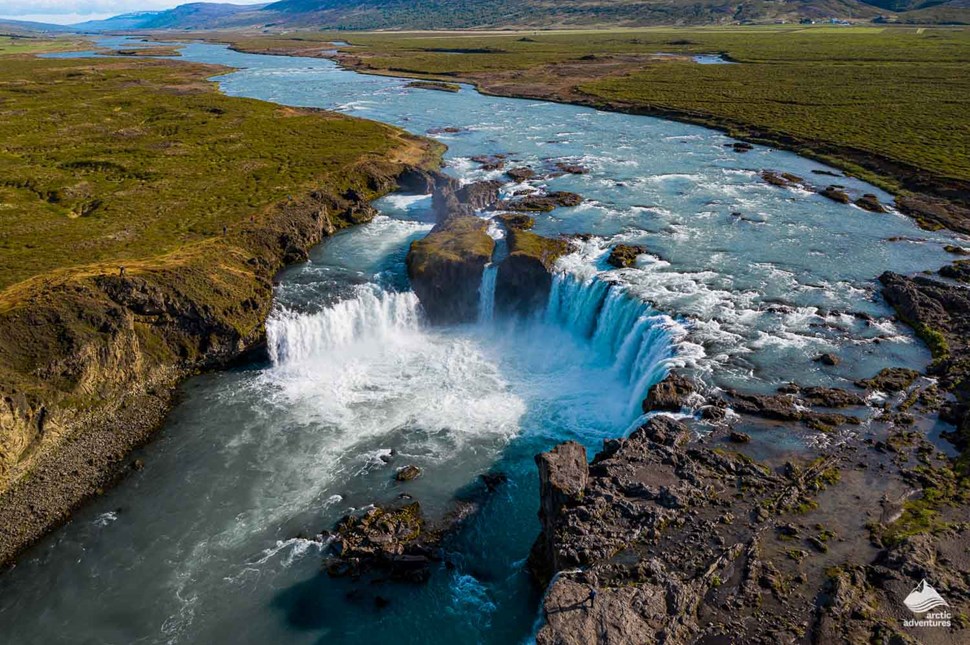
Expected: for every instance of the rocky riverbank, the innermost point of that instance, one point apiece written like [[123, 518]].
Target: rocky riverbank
[[700, 529], [667, 537], [91, 359]]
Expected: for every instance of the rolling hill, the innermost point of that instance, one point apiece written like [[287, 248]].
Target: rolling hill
[[539, 14]]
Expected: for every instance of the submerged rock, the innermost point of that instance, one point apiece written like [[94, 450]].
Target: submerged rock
[[407, 473], [828, 359], [446, 267], [625, 255], [490, 162], [572, 169]]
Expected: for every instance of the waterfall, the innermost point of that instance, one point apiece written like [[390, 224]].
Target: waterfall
[[619, 325], [486, 294], [374, 313]]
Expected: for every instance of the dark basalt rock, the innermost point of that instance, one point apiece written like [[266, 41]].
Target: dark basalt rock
[[956, 250], [563, 473], [490, 162], [890, 379], [444, 199], [391, 541], [525, 276], [521, 174], [741, 146], [407, 473], [625, 255], [959, 270], [658, 540], [493, 480], [446, 267], [479, 195], [836, 194], [828, 359], [670, 394], [830, 397], [572, 169], [739, 437], [870, 203], [517, 221], [544, 202], [782, 180]]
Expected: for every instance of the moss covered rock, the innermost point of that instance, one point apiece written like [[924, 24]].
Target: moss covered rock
[[525, 276], [446, 268]]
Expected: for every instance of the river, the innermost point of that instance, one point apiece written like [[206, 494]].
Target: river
[[745, 284]]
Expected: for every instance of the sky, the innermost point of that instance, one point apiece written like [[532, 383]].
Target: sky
[[65, 12]]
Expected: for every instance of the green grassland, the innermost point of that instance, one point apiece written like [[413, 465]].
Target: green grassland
[[25, 44], [142, 164], [115, 161], [888, 103]]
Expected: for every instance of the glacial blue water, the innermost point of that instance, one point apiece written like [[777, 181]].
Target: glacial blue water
[[213, 541]]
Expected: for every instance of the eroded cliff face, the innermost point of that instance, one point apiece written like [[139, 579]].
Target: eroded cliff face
[[90, 357], [446, 267]]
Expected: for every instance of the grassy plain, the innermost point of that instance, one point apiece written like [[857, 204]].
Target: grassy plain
[[22, 44], [119, 160]]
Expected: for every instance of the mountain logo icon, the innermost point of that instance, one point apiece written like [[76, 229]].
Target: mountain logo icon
[[924, 598]]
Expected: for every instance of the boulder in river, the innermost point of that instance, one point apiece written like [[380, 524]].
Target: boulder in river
[[625, 255], [870, 203], [518, 221], [544, 202], [407, 473], [490, 162], [959, 270], [480, 194], [521, 174], [836, 194], [390, 541], [572, 168], [446, 267]]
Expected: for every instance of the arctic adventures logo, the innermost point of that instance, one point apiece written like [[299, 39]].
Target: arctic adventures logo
[[923, 599]]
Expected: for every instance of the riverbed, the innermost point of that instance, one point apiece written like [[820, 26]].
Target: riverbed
[[743, 285]]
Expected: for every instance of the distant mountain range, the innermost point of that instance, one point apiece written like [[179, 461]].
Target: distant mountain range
[[464, 14]]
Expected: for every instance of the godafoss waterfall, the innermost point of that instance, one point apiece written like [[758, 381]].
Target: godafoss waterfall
[[222, 536]]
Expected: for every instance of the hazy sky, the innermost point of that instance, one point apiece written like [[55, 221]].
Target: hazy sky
[[68, 11]]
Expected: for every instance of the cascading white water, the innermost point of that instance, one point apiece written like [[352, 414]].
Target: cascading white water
[[618, 325], [374, 313], [486, 294]]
